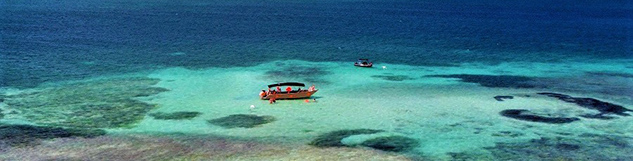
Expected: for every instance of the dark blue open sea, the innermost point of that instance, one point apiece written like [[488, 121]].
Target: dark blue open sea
[[56, 40], [48, 41]]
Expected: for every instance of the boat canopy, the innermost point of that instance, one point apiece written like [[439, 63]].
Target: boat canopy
[[287, 84]]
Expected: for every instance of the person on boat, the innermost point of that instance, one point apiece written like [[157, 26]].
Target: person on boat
[[272, 98], [275, 98], [311, 88], [263, 93], [278, 89], [289, 89]]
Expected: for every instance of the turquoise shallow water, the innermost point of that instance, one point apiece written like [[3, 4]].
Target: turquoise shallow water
[[95, 76], [447, 118]]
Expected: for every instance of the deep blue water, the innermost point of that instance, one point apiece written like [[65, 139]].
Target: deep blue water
[[56, 40]]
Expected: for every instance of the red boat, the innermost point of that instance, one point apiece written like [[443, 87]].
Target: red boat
[[287, 94], [363, 63]]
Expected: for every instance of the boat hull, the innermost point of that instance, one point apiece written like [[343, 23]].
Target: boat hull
[[292, 95], [364, 65]]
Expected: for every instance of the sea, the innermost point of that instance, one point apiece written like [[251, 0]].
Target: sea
[[452, 80]]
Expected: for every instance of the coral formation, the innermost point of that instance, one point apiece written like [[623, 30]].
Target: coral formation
[[297, 71], [179, 147], [175, 115], [610, 74], [309, 74], [385, 143], [559, 148], [501, 98], [504, 81], [511, 134], [393, 77], [583, 147], [525, 115], [333, 139], [609, 140], [242, 120], [391, 143], [591, 103], [106, 103], [17, 135]]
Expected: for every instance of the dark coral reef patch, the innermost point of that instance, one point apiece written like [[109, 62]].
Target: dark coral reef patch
[[106, 103], [503, 81], [562, 148], [384, 143], [289, 72], [582, 147], [333, 139], [620, 142], [521, 114], [22, 135], [391, 143], [501, 98], [183, 115], [591, 103], [610, 74], [297, 71], [393, 77], [242, 120], [512, 134]]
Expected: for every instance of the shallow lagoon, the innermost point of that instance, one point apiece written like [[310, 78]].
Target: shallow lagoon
[[445, 118]]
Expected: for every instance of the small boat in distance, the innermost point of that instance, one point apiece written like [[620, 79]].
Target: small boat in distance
[[363, 63], [289, 92]]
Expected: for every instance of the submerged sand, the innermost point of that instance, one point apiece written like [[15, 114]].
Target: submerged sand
[[183, 147], [449, 118]]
